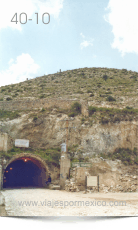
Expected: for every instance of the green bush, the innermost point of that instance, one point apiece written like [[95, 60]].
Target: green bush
[[8, 98], [19, 90], [35, 118], [43, 110], [2, 90], [9, 114], [127, 107], [89, 91], [86, 159], [76, 108], [104, 120], [135, 151], [105, 77], [42, 96], [72, 114], [92, 110], [1, 99], [136, 161], [110, 98], [80, 158], [82, 120], [116, 119], [15, 95]]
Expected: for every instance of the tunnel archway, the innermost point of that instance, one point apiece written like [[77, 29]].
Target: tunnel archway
[[25, 170]]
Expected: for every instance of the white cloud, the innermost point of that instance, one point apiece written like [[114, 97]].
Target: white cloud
[[82, 35], [24, 67], [9, 7], [85, 43], [123, 17]]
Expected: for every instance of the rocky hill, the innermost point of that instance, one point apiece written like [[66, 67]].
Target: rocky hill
[[101, 103], [92, 84]]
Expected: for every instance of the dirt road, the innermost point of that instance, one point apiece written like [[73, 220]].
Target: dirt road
[[44, 202]]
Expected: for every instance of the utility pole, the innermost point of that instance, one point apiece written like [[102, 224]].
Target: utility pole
[[67, 131]]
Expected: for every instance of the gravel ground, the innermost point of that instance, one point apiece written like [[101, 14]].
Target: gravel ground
[[44, 202], [2, 206]]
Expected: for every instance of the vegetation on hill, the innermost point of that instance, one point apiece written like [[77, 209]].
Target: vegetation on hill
[[9, 114], [98, 84], [127, 156], [51, 155], [106, 115]]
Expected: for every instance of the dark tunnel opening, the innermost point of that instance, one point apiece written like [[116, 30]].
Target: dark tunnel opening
[[24, 173]]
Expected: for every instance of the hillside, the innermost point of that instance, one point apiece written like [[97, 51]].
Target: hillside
[[92, 84], [101, 103]]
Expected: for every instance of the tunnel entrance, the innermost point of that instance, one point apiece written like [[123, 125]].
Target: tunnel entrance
[[25, 172]]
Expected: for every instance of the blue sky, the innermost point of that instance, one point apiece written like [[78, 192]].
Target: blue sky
[[91, 33]]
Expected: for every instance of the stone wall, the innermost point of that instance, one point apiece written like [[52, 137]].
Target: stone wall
[[6, 142], [32, 104], [64, 169], [3, 141]]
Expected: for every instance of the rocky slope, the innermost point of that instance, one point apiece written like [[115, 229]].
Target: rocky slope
[[108, 119]]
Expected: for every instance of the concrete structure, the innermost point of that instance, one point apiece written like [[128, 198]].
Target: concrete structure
[[64, 169], [3, 141], [33, 104]]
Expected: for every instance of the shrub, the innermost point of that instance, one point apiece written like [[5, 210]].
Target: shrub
[[82, 120], [2, 90], [8, 98], [92, 95], [136, 161], [72, 114], [19, 90], [117, 119], [43, 110], [104, 120], [89, 91], [135, 151], [42, 96], [9, 114], [110, 98], [1, 99], [105, 77], [35, 118], [92, 110], [76, 108], [127, 107], [86, 159], [15, 95], [80, 158]]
